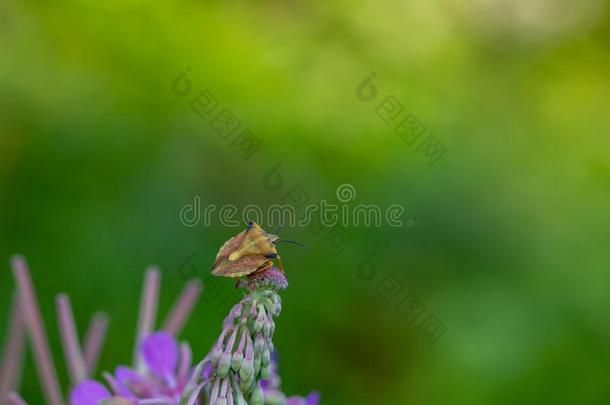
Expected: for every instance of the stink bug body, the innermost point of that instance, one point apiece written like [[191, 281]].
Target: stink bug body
[[251, 251]]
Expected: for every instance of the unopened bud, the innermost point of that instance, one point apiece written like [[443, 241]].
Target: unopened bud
[[237, 311], [267, 329], [265, 372], [259, 344], [246, 371], [237, 360], [247, 384], [253, 309], [257, 364], [266, 357], [224, 364], [257, 396], [258, 325], [216, 353]]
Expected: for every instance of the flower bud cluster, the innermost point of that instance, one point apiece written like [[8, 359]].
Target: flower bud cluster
[[241, 357]]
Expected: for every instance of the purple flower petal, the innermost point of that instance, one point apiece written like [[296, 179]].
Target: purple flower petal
[[313, 398], [275, 356], [127, 380], [131, 384], [184, 364], [89, 392], [207, 371], [160, 352]]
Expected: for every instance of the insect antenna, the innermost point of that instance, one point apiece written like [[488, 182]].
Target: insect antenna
[[294, 242]]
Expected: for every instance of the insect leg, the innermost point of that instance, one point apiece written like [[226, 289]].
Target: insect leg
[[279, 262]]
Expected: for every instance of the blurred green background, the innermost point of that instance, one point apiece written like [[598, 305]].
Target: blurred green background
[[509, 242]]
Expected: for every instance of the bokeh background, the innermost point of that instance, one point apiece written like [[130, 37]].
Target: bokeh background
[[508, 241]]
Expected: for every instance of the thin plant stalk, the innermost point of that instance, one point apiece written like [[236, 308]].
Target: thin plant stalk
[[148, 311], [69, 339], [12, 359], [37, 332], [94, 341], [180, 312], [14, 399]]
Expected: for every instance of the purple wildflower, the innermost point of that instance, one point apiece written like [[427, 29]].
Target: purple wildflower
[[165, 374], [311, 399], [89, 392], [240, 369]]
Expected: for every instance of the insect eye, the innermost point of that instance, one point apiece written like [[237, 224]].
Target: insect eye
[[250, 224]]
